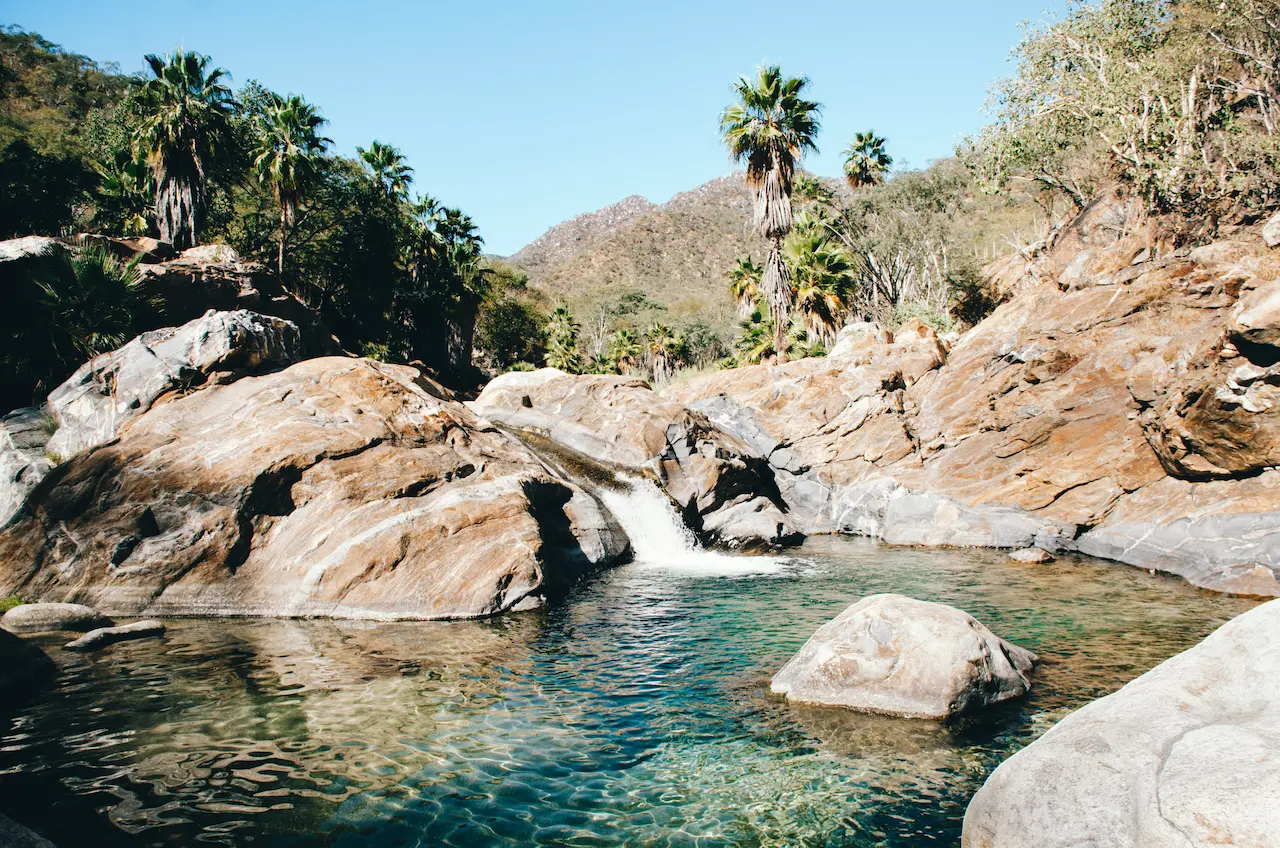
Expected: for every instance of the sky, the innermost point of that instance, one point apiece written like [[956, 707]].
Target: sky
[[524, 114]]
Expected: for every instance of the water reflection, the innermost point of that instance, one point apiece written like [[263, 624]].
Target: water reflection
[[636, 713]]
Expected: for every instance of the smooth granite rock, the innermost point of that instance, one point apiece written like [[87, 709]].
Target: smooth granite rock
[[337, 487], [1032, 555], [1185, 756], [48, 617], [111, 390], [104, 636], [898, 656]]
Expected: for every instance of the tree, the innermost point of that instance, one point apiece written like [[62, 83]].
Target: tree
[[285, 157], [625, 351], [562, 341], [666, 350], [823, 273], [186, 109], [866, 163], [744, 285], [769, 129], [389, 169]]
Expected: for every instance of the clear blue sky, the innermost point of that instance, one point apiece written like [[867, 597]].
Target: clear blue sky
[[527, 113]]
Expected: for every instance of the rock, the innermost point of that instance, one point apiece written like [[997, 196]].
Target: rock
[[898, 656], [720, 483], [1049, 422], [22, 667], [143, 248], [47, 617], [212, 276], [23, 436], [111, 390], [1033, 555], [1271, 231], [14, 835], [1188, 754], [337, 487], [104, 636]]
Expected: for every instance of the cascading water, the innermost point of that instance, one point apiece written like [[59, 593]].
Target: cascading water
[[660, 538]]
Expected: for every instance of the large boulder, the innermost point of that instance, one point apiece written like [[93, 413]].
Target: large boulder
[[45, 618], [24, 433], [1131, 414], [722, 485], [14, 835], [337, 487], [1186, 755], [101, 637], [895, 655], [109, 391]]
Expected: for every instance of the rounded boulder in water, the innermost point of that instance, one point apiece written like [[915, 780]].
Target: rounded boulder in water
[[894, 655], [43, 618]]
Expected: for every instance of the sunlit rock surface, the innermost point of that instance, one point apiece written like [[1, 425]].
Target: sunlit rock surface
[[336, 487], [1188, 754]]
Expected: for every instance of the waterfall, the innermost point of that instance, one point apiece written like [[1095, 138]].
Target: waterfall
[[659, 536]]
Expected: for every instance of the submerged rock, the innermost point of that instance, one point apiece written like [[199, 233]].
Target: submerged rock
[[337, 487], [1032, 555], [47, 617], [22, 666], [14, 835], [104, 636], [719, 482], [1188, 754], [894, 655]]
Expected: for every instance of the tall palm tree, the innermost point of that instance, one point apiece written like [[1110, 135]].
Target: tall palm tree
[[866, 163], [666, 349], [285, 155], [186, 109], [389, 170], [744, 284], [769, 129]]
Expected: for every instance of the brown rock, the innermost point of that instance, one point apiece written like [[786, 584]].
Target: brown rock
[[356, 492]]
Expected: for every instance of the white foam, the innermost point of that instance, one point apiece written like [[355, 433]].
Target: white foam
[[660, 539]]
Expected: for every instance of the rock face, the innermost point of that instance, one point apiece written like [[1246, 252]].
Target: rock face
[[898, 656], [1188, 754], [722, 485], [109, 391], [1131, 413], [44, 618], [104, 636], [1271, 231], [23, 436], [337, 487]]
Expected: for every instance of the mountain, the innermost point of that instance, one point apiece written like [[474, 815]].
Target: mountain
[[651, 262]]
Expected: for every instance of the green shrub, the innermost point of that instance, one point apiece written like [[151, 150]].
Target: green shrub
[[9, 603]]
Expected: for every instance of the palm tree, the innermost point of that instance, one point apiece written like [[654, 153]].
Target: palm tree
[[625, 351], [285, 155], [744, 284], [562, 341], [865, 161], [390, 172], [90, 297], [186, 110], [770, 128], [823, 273], [666, 349], [426, 245]]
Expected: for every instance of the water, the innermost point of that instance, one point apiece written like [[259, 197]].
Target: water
[[634, 713], [660, 538]]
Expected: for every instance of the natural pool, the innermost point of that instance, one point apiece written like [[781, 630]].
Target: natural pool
[[634, 713]]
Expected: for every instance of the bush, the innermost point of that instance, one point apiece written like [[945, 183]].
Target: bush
[[9, 603]]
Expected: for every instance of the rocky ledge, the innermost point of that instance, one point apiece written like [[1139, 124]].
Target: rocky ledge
[[334, 487], [1124, 403]]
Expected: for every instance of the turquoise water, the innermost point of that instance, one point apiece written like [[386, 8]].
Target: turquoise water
[[635, 712]]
